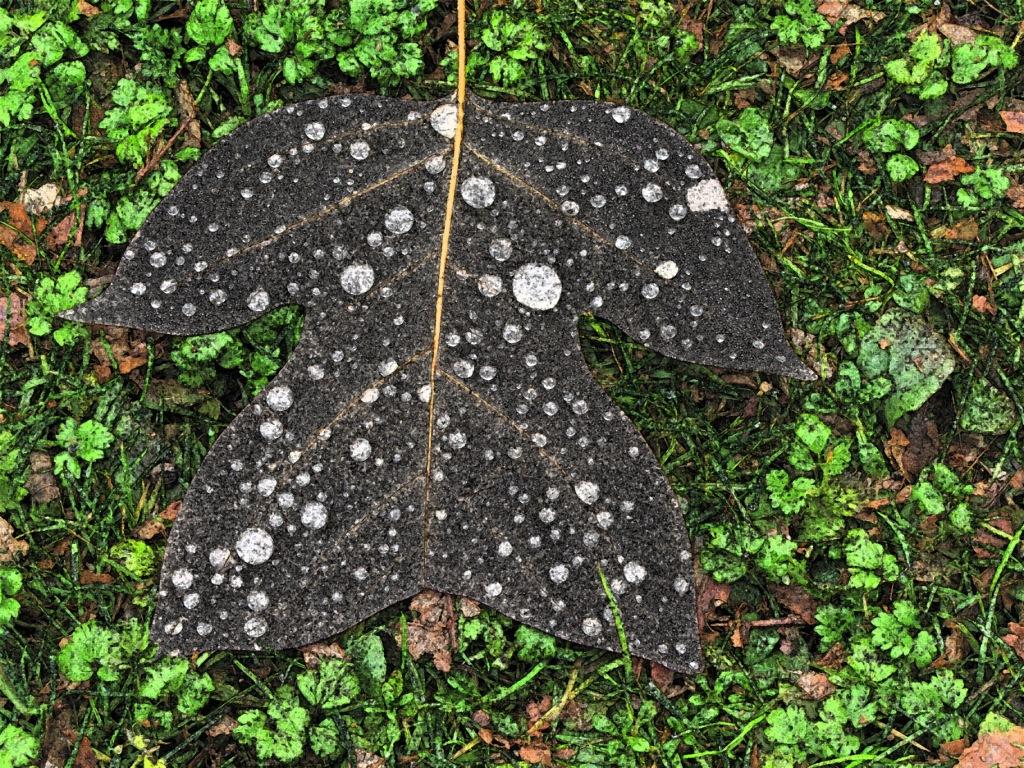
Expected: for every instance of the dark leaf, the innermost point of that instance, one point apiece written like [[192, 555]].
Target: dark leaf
[[457, 443]]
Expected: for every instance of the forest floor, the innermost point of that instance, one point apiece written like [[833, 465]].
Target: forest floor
[[861, 586]]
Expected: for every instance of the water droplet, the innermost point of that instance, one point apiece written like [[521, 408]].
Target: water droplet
[[512, 333], [667, 270], [360, 449], [274, 161], [570, 208], [258, 600], [650, 291], [217, 297], [622, 242], [489, 285], [621, 114], [314, 515], [359, 150], [399, 220], [314, 131], [707, 195], [537, 286], [652, 193], [258, 300], [444, 120], [696, 310], [272, 429], [478, 191], [255, 626], [157, 259], [357, 279], [137, 289], [634, 572], [246, 193], [693, 171], [591, 626], [279, 398], [587, 491], [493, 589], [500, 249], [558, 573], [254, 546], [182, 578]]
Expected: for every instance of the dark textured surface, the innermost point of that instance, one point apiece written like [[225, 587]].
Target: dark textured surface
[[315, 508]]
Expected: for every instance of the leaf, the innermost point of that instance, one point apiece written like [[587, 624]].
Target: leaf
[[1000, 743], [947, 168], [1013, 120], [437, 426]]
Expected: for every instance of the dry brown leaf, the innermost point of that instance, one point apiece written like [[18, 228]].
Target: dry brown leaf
[[899, 214], [234, 49], [87, 9], [1015, 638], [662, 677], [12, 320], [86, 757], [10, 547], [815, 685], [313, 653], [838, 11], [17, 234], [59, 232], [535, 711], [150, 529], [957, 34], [947, 168], [710, 595], [981, 304], [965, 229], [434, 631], [1013, 120], [1015, 194], [189, 115], [41, 483], [91, 577], [996, 749], [797, 600], [40, 200], [365, 759], [536, 754], [222, 727]]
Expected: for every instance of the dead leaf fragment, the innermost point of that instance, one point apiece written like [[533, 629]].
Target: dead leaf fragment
[[838, 11], [995, 749], [434, 631], [947, 168], [17, 234], [1015, 638], [41, 200], [981, 304], [536, 754], [223, 727], [313, 653], [10, 547], [87, 9], [1013, 120], [41, 483], [12, 320], [815, 685]]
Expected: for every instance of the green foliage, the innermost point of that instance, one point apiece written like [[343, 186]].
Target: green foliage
[[868, 562], [279, 732], [17, 748], [511, 44], [138, 117], [801, 24], [10, 585], [971, 59], [97, 651], [136, 556], [982, 186], [172, 688], [921, 71], [52, 297], [209, 23], [83, 443], [750, 136]]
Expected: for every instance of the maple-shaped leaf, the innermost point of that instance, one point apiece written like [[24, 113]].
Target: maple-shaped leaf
[[437, 426]]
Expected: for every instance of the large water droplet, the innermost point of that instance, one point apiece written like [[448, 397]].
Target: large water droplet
[[357, 279], [537, 286], [314, 131], [254, 546], [478, 191], [399, 220]]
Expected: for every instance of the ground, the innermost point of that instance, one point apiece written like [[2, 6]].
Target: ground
[[860, 535]]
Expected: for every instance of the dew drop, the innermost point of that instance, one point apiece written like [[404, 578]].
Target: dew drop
[[399, 220], [258, 300], [357, 279], [254, 546], [537, 286], [314, 131], [667, 270], [478, 191], [359, 150], [314, 515], [652, 193], [621, 114], [360, 449]]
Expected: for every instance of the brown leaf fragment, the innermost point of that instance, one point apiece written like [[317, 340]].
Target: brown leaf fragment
[[1013, 120], [150, 529], [965, 229], [314, 653], [797, 600], [710, 595], [662, 677], [838, 11], [815, 685], [434, 631], [41, 200], [41, 483], [995, 749], [1015, 194], [10, 547], [87, 9], [223, 727], [189, 114], [1015, 638], [367, 759], [957, 34], [535, 711], [88, 577], [86, 757], [12, 320], [234, 48], [17, 234], [982, 305], [947, 168], [536, 754]]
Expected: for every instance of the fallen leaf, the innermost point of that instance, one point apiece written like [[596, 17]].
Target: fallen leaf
[[223, 727], [1015, 194], [12, 320], [1015, 638], [899, 214], [234, 49], [815, 685], [965, 229], [536, 754], [995, 749], [88, 577], [367, 759], [982, 305], [87, 9], [41, 482], [433, 631], [41, 200], [314, 653], [18, 234], [58, 234], [1013, 120], [662, 677], [10, 547], [848, 13], [948, 168], [797, 600], [189, 114], [86, 757], [957, 34], [150, 529], [388, 384]]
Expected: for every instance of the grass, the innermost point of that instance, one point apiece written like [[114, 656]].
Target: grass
[[860, 535]]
